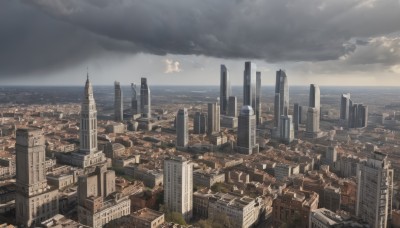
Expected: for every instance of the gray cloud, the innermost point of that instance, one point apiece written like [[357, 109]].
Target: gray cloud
[[58, 33]]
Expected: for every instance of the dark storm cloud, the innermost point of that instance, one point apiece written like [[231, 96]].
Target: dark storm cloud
[[54, 33]]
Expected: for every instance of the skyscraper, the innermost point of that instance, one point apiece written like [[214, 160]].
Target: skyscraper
[[145, 99], [249, 84], [345, 104], [281, 106], [232, 107], [287, 130], [178, 186], [246, 134], [375, 190], [134, 102], [35, 200], [225, 90], [257, 109], [297, 110], [88, 155], [315, 95], [182, 134], [358, 116], [313, 114], [118, 102], [213, 118], [200, 123]]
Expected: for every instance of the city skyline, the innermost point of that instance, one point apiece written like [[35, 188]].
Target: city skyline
[[320, 46]]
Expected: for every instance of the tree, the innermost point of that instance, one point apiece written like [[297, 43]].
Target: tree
[[175, 217]]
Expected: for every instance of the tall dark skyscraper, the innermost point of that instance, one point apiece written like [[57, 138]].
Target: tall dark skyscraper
[[225, 90], [249, 84], [297, 112], [118, 102], [134, 101], [281, 104], [145, 99], [182, 132], [315, 94], [232, 107], [358, 117], [345, 105], [246, 134], [257, 109], [200, 123]]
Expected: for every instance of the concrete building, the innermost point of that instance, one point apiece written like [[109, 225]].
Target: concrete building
[[229, 122], [97, 202], [182, 131], [134, 101], [249, 85], [145, 99], [257, 109], [232, 106], [206, 178], [375, 190], [281, 171], [178, 186], [150, 178], [242, 212], [281, 102], [225, 90], [213, 122], [293, 203], [118, 102], [324, 218], [246, 134], [331, 198], [200, 123], [147, 218], [287, 130], [35, 200]]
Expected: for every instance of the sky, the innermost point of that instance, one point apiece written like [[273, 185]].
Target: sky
[[184, 42]]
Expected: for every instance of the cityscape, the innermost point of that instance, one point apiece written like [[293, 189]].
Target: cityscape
[[199, 114]]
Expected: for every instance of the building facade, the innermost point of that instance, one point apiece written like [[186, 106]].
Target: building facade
[[225, 90], [246, 134], [118, 102], [35, 200], [145, 99], [178, 186], [213, 122]]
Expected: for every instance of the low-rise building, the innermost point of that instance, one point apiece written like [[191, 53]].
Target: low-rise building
[[207, 178], [147, 218]]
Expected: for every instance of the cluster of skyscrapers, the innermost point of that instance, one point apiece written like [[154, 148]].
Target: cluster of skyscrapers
[[143, 107], [352, 115]]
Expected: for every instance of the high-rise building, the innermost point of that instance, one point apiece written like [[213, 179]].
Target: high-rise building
[[287, 130], [225, 90], [312, 127], [134, 101], [358, 117], [35, 201], [249, 84], [313, 113], [257, 109], [200, 123], [97, 205], [213, 118], [297, 112], [281, 104], [118, 102], [345, 104], [246, 134], [375, 190], [232, 106], [182, 134], [315, 96], [145, 99], [178, 186]]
